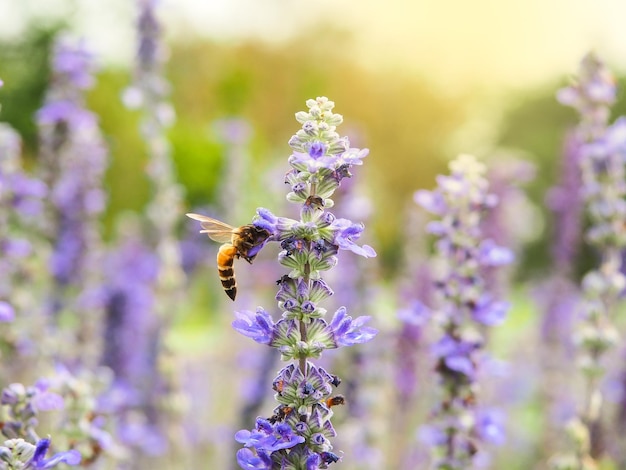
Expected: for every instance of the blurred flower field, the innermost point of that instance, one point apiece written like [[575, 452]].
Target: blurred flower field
[[370, 277]]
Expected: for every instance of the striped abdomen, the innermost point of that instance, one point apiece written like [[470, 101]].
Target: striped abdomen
[[225, 257]]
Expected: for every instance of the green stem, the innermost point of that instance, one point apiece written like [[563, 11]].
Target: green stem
[[307, 280]]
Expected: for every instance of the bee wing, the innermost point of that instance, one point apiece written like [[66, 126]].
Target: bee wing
[[216, 230]]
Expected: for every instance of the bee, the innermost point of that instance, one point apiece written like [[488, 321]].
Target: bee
[[243, 242]]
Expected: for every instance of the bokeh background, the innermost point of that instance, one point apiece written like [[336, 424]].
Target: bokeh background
[[418, 82], [421, 81]]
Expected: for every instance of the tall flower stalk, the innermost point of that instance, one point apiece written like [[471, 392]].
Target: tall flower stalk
[[149, 93], [466, 307], [559, 294], [297, 435], [74, 159], [23, 251], [602, 155]]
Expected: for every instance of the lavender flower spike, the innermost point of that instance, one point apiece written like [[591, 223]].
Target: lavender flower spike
[[602, 158], [297, 435], [75, 159], [465, 308]]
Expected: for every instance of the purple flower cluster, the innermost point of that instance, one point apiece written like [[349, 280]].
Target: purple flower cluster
[[465, 307], [75, 159], [149, 94], [21, 406], [129, 299], [23, 196], [17, 453], [297, 435], [602, 154], [142, 306]]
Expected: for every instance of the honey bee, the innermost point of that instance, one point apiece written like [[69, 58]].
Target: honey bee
[[243, 242]]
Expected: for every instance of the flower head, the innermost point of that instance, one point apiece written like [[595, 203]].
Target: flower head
[[249, 460], [256, 325], [346, 232], [348, 332]]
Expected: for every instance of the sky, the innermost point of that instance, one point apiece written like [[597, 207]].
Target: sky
[[457, 43]]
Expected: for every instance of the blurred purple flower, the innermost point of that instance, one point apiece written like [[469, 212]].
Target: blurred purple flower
[[48, 401], [129, 297], [75, 62], [418, 314], [493, 255], [490, 426], [233, 131], [490, 312], [430, 200], [456, 355], [7, 313], [461, 201]]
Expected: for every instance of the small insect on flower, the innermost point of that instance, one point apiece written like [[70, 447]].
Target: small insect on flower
[[336, 400], [243, 242], [315, 202], [280, 413]]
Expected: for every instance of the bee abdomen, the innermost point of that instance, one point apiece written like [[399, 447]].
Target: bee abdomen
[[225, 258]]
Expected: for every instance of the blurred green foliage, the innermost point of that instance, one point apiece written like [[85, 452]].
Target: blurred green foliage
[[25, 70]]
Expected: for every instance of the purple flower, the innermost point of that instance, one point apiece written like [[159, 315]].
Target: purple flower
[[7, 313], [595, 87], [456, 355], [313, 461], [431, 435], [489, 311], [266, 220], [278, 227], [490, 426], [48, 401], [66, 111], [317, 149], [351, 157], [348, 332], [248, 460], [345, 233], [417, 314], [269, 438], [74, 62], [284, 438], [70, 457], [256, 325], [313, 160], [432, 201], [493, 255]]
